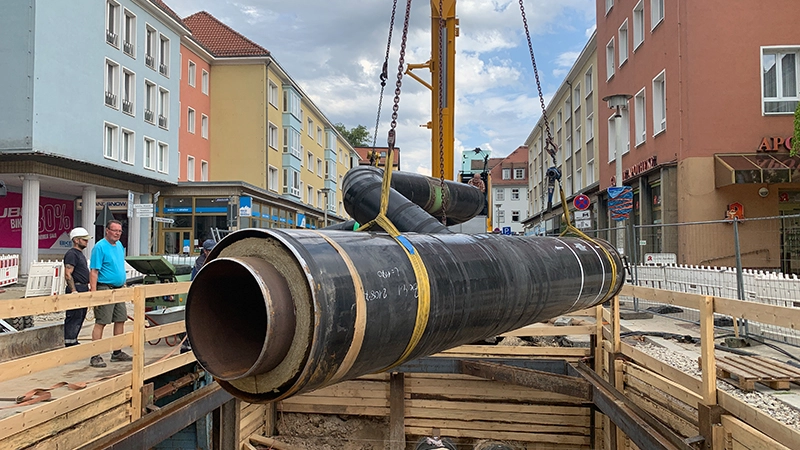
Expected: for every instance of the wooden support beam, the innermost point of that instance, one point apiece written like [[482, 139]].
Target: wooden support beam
[[543, 381], [225, 425], [598, 348], [708, 361], [616, 338], [137, 370], [397, 433]]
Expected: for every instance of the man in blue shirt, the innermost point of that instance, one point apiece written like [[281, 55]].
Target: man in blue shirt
[[107, 271]]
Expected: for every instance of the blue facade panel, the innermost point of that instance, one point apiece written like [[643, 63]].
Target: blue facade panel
[[290, 160], [69, 107], [290, 120], [17, 35]]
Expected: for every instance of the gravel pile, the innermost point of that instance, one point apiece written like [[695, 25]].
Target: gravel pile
[[773, 407]]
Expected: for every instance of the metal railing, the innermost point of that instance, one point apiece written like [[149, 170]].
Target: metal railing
[[112, 38], [127, 106], [150, 61], [111, 99]]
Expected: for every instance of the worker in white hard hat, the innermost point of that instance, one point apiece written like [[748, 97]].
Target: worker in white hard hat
[[76, 273]]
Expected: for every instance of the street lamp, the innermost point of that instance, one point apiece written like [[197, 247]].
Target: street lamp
[[325, 191], [617, 102]]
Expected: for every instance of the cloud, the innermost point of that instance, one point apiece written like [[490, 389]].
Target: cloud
[[335, 50]]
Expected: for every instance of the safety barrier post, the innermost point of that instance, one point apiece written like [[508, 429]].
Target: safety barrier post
[[137, 371]]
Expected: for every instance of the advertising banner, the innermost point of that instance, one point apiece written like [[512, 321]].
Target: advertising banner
[[56, 218]]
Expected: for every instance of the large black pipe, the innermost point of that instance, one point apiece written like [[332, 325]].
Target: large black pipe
[[280, 312]]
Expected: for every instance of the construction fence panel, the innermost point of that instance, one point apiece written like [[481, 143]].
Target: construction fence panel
[[9, 269]]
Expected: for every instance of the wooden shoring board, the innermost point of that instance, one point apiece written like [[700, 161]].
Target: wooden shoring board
[[311, 399], [447, 430], [481, 390], [663, 400], [552, 330], [500, 351], [748, 437], [88, 430], [343, 409], [519, 419], [354, 389], [664, 415], [671, 388], [494, 425], [577, 412]]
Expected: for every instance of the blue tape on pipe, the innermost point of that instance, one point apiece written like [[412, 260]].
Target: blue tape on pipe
[[402, 240]]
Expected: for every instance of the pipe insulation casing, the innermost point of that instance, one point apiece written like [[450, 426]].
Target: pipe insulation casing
[[280, 312]]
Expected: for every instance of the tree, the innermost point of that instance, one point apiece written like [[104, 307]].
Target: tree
[[796, 139], [356, 136]]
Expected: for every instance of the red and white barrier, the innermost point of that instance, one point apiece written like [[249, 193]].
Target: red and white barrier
[[9, 269], [45, 278]]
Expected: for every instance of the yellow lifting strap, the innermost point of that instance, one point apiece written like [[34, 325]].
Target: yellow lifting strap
[[420, 272], [572, 229]]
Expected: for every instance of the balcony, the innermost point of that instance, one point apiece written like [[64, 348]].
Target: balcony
[[111, 99], [127, 47], [112, 38], [148, 115], [127, 106], [150, 61], [162, 68], [162, 121]]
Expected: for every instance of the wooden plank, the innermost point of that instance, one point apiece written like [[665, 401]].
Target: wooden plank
[[46, 411], [309, 399], [759, 312], [615, 339], [550, 330], [660, 367], [137, 367], [483, 391], [33, 306], [708, 362], [250, 430], [598, 343], [272, 443], [160, 289], [171, 329], [759, 420], [31, 364], [505, 417], [494, 351], [663, 399], [740, 370], [749, 436], [492, 408], [783, 368], [397, 413], [663, 384], [490, 425], [350, 410], [684, 299], [755, 366], [674, 421], [157, 368], [369, 389], [88, 430], [501, 435], [50, 428]]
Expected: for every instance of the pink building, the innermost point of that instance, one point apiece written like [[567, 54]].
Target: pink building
[[195, 146]]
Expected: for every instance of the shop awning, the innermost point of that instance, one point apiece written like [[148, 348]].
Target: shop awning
[[756, 168]]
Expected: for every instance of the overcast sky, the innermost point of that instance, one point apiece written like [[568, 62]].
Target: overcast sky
[[334, 50]]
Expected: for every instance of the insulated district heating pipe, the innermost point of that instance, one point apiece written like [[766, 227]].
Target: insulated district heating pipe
[[276, 313]]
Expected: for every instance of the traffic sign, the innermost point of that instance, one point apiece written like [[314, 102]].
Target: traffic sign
[[164, 219], [143, 210], [507, 231], [581, 202], [578, 215]]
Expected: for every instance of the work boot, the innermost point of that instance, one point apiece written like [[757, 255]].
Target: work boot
[[97, 361], [120, 356]]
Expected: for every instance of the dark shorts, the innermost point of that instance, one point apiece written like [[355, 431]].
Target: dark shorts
[[106, 314]]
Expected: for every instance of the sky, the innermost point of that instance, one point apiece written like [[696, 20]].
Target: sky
[[334, 50]]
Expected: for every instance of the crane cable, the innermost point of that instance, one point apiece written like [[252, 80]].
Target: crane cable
[[554, 174], [440, 73], [373, 159]]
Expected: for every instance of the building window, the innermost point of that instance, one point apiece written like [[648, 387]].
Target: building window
[[623, 43], [310, 128], [272, 136], [192, 73], [640, 115], [163, 108], [610, 58], [310, 195], [149, 153], [204, 126], [609, 5], [612, 138], [780, 79], [500, 195], [515, 194], [273, 94], [272, 180], [129, 34], [111, 144], [112, 23], [515, 216], [638, 25], [519, 174], [163, 155], [656, 13], [204, 81], [660, 103], [163, 59], [190, 168], [310, 162], [291, 182], [112, 83], [128, 91], [151, 36], [149, 102], [128, 147], [319, 135], [319, 167], [203, 170], [190, 121], [291, 142], [506, 174]]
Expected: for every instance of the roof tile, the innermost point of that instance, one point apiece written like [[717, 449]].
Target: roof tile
[[219, 39]]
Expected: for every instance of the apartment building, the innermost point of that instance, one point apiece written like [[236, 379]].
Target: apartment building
[[509, 191], [572, 125], [195, 95], [90, 100]]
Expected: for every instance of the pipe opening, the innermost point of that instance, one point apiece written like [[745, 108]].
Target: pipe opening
[[235, 329]]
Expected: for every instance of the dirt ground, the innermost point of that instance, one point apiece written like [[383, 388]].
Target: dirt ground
[[323, 432]]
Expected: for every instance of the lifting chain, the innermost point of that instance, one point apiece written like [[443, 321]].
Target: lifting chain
[[398, 84], [373, 160], [440, 72]]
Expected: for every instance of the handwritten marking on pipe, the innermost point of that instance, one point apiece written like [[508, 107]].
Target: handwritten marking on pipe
[[388, 273]]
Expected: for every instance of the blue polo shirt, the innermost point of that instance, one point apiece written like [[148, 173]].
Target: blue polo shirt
[[109, 260]]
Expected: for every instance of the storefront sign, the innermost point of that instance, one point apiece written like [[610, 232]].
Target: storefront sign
[[114, 204], [775, 143], [637, 169], [659, 259], [56, 218], [245, 206], [734, 211]]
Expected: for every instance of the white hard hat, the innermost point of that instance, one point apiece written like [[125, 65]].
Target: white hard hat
[[79, 233]]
